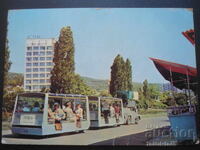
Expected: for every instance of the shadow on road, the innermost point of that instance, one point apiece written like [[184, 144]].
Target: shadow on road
[[136, 139]]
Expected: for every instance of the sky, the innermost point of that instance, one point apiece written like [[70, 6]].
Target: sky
[[101, 34]]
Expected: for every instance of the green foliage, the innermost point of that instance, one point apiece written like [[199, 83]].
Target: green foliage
[[7, 64], [64, 79], [121, 75], [104, 93], [151, 97], [9, 97], [174, 99], [15, 79]]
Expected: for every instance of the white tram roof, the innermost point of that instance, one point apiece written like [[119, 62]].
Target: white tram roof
[[55, 94]]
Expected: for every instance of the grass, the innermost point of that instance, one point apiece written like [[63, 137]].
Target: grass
[[152, 113]]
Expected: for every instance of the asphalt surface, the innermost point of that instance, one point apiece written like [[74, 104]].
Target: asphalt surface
[[135, 134]]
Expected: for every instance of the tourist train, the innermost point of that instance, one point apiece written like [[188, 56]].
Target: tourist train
[[47, 113]]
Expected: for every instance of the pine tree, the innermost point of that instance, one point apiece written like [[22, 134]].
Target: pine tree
[[118, 76], [63, 77], [145, 89], [129, 75], [63, 71]]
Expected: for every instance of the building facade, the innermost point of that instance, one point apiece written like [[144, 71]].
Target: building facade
[[38, 63]]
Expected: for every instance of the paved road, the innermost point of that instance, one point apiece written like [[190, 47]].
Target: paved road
[[124, 135]]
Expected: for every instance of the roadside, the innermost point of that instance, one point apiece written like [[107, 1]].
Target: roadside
[[152, 113]]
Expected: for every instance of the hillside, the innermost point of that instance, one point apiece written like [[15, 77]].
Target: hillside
[[97, 84]]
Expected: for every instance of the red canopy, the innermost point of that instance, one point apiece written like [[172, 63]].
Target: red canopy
[[189, 34], [177, 73]]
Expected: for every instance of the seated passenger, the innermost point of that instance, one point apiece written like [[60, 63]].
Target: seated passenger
[[112, 111], [79, 115], [36, 107], [26, 107], [117, 112], [51, 114], [69, 113], [59, 114]]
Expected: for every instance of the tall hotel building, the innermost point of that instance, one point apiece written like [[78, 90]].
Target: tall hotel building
[[38, 63]]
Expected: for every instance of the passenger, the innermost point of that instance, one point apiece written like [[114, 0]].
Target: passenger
[[58, 112], [36, 107], [51, 114], [117, 112], [69, 113], [112, 110], [79, 115], [106, 111], [26, 107]]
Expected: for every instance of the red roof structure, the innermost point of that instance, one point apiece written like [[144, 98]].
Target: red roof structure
[[179, 75], [189, 34]]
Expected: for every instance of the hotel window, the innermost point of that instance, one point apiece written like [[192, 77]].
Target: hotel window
[[42, 75], [35, 75], [42, 69], [42, 53], [42, 86], [29, 48], [28, 70], [49, 58], [28, 64], [28, 53], [42, 64], [35, 53], [35, 69], [48, 86], [42, 47], [28, 58], [35, 87], [48, 75], [49, 53], [48, 81], [35, 58], [28, 81], [28, 75], [48, 69], [35, 47], [49, 47], [28, 87], [49, 63], [42, 58], [35, 64], [42, 81], [35, 81]]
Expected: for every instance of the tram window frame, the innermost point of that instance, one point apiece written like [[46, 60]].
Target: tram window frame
[[94, 103], [29, 102], [73, 102]]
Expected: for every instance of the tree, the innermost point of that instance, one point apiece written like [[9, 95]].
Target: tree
[[63, 71], [121, 75], [7, 65], [63, 77], [145, 89], [116, 82], [129, 75]]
